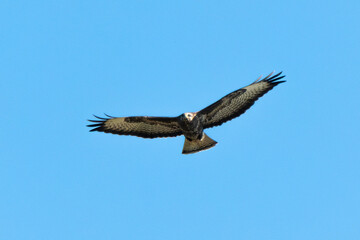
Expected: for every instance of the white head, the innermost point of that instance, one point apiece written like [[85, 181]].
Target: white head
[[189, 116]]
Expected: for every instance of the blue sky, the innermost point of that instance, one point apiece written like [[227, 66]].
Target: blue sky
[[287, 169]]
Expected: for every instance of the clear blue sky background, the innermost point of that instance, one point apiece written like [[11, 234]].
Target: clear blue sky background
[[287, 169]]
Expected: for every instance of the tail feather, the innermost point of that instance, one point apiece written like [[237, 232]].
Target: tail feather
[[194, 146]]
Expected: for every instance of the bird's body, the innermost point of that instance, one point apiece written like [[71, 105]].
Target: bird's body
[[190, 124]]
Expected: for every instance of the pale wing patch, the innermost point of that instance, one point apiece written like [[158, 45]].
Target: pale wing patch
[[237, 102], [146, 127]]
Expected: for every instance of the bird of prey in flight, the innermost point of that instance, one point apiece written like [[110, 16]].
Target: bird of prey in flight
[[190, 124]]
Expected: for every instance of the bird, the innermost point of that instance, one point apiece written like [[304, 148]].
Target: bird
[[190, 124]]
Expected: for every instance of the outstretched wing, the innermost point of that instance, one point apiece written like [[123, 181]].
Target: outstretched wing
[[146, 127], [237, 102]]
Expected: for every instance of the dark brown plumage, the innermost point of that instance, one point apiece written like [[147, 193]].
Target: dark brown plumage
[[190, 124]]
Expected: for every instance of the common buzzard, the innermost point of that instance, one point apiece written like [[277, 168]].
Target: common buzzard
[[190, 124]]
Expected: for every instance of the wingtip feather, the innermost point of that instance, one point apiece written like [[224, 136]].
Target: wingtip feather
[[99, 117], [98, 123], [268, 76], [274, 80], [108, 116], [98, 129]]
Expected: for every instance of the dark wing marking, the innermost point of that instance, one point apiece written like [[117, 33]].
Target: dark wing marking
[[237, 102], [146, 127]]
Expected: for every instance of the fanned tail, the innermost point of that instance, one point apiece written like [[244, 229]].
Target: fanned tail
[[194, 146]]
